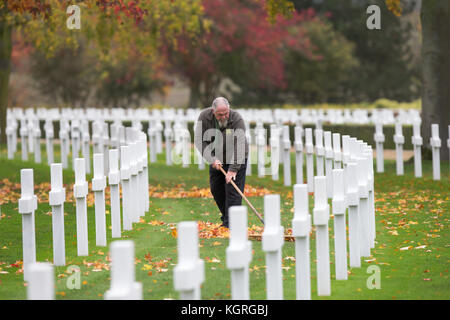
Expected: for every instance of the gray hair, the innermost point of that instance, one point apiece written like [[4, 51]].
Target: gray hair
[[220, 100]]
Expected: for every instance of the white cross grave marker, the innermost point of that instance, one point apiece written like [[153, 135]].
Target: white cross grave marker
[[126, 188], [145, 172], [140, 176], [27, 206], [98, 186], [105, 148], [435, 143], [64, 142], [320, 216], [23, 141], [417, 142], [340, 238], [30, 126], [448, 140], [286, 156], [298, 154], [399, 140], [272, 242], [168, 136], [274, 151], [57, 197], [123, 284], [189, 273], [85, 147], [37, 142], [329, 163], [134, 200], [80, 191], [301, 228], [152, 139], [10, 131], [41, 285], [320, 152], [113, 180], [159, 129], [309, 159], [352, 201], [49, 135], [370, 184], [363, 201], [337, 154], [75, 135], [379, 140], [239, 253]]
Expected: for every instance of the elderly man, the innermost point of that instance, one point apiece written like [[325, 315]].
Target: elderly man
[[220, 137]]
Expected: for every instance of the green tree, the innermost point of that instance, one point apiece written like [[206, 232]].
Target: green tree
[[126, 83], [385, 68], [240, 44], [324, 78], [105, 24], [68, 77], [12, 14]]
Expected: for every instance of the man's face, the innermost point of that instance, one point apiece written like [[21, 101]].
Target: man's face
[[222, 113]]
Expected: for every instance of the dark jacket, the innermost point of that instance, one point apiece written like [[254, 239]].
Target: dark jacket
[[208, 138]]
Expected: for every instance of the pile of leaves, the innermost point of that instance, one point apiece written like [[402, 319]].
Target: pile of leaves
[[10, 192], [178, 191]]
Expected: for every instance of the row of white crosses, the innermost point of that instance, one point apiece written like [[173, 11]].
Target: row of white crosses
[[189, 272], [41, 283], [329, 155], [333, 116], [279, 141], [417, 141], [155, 128], [352, 187], [101, 138], [74, 134], [132, 176], [79, 133], [358, 194], [280, 150], [308, 115]]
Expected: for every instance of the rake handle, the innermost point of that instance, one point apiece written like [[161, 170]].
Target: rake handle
[[243, 196]]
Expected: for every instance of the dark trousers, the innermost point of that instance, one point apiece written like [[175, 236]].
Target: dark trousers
[[224, 194]]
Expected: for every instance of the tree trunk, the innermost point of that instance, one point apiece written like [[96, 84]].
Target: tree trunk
[[211, 84], [5, 70], [194, 96], [435, 17]]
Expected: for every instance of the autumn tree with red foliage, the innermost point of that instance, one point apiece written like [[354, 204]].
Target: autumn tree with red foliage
[[33, 8], [107, 23], [242, 45]]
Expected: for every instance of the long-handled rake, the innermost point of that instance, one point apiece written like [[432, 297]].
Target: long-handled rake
[[255, 236]]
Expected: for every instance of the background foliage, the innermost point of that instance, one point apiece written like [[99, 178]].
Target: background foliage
[[253, 51]]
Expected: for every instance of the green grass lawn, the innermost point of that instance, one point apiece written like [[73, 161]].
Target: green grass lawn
[[412, 249]]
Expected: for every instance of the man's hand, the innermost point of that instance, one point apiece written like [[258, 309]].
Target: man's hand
[[230, 175], [217, 164]]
